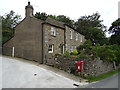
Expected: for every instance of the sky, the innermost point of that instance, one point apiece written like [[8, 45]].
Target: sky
[[74, 9]]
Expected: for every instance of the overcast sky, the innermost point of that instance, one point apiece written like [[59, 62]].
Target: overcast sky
[[108, 9]]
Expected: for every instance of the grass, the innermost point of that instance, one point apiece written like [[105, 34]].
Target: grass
[[102, 76]]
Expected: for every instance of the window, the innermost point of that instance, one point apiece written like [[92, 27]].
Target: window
[[53, 31], [75, 47], [71, 48], [81, 40], [50, 49], [76, 36], [66, 46], [66, 35], [63, 49], [70, 34]]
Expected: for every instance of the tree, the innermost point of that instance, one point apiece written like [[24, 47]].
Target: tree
[[62, 18], [92, 28], [42, 16], [9, 21], [115, 31], [65, 19]]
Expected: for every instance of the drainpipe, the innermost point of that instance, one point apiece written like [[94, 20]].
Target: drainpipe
[[42, 44]]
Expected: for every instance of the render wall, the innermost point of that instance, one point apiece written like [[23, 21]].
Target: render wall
[[27, 40]]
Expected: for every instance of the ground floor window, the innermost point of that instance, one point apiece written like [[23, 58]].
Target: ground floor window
[[75, 47], [81, 40], [50, 48], [71, 48], [62, 49]]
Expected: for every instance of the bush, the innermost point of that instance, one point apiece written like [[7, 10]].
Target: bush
[[108, 52], [87, 46], [74, 52], [82, 55], [104, 52], [67, 53]]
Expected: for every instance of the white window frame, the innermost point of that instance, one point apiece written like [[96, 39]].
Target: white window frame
[[63, 49], [66, 46], [81, 40], [66, 35], [50, 47], [71, 48], [75, 47], [76, 36], [71, 34], [53, 31]]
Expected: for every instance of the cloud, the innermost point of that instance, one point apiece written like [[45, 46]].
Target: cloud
[[71, 8]]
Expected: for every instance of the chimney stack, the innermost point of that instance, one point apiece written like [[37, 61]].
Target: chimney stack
[[29, 10]]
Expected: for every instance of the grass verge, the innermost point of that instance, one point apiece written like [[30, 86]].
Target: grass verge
[[102, 76]]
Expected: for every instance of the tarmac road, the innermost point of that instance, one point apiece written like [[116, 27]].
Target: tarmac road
[[110, 82]]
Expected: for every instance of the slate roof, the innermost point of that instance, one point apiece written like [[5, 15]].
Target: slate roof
[[59, 24], [54, 22]]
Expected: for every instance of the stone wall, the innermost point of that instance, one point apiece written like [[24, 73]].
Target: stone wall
[[73, 43], [90, 67], [57, 41]]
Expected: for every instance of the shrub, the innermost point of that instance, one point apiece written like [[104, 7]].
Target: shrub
[[104, 52], [87, 45], [74, 52], [67, 52], [107, 52], [82, 55]]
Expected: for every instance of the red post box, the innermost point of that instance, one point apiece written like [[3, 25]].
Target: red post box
[[79, 65]]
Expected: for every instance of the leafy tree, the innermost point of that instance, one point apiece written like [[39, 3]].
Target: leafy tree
[[108, 52], [92, 28], [42, 16], [9, 21], [65, 19], [115, 31], [62, 18], [52, 16]]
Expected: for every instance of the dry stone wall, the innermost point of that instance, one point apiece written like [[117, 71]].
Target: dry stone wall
[[90, 67]]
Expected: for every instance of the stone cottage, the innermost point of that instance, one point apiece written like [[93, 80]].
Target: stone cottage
[[39, 40]]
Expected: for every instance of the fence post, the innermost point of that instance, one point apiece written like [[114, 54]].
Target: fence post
[[13, 51]]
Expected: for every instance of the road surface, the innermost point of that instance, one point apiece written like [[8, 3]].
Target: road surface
[[20, 74], [110, 82]]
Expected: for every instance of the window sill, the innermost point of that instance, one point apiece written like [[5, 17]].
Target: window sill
[[53, 35], [50, 52]]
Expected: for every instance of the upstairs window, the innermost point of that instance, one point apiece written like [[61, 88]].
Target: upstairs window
[[76, 36], [71, 34], [50, 49], [53, 31]]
